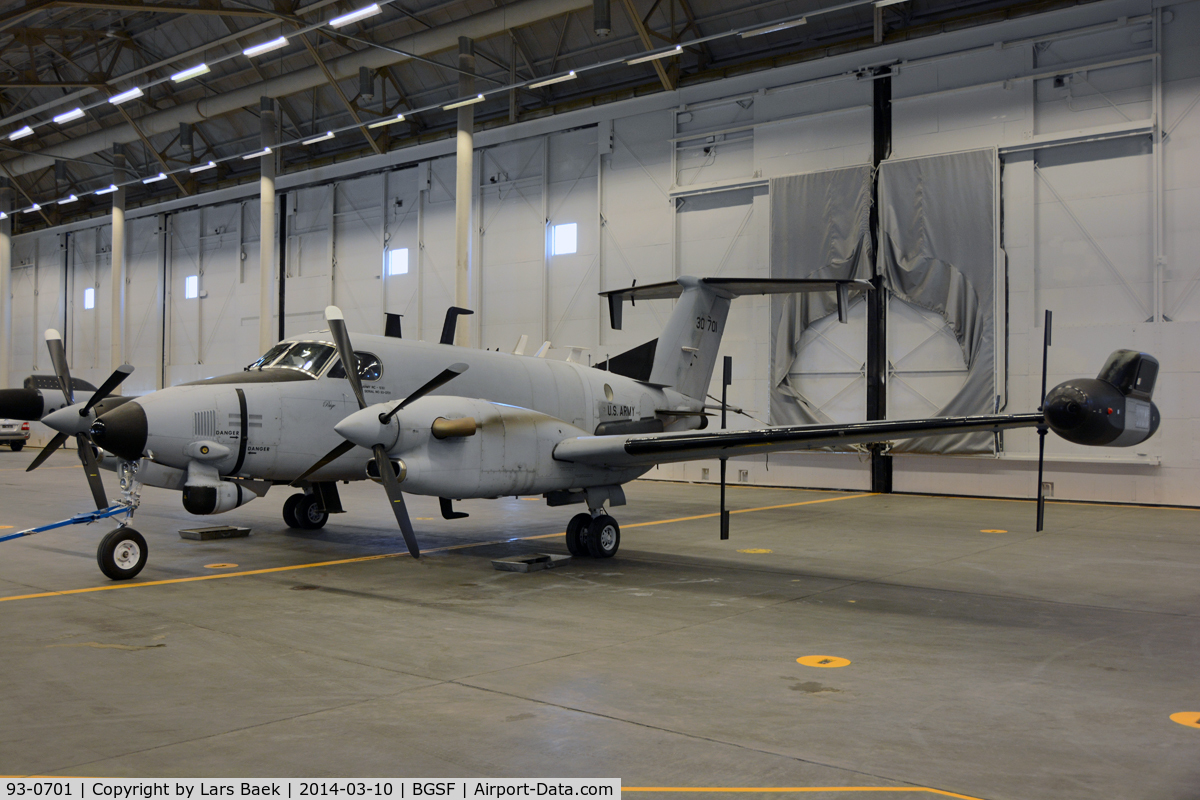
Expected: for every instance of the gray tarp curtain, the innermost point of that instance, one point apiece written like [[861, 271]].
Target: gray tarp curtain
[[820, 228], [937, 251]]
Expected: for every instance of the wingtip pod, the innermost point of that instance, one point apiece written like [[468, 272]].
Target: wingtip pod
[[52, 334], [332, 313]]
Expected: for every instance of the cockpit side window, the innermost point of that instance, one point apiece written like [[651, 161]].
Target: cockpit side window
[[369, 367]]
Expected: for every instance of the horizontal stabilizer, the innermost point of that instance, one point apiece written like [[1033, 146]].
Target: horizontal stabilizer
[[733, 287]]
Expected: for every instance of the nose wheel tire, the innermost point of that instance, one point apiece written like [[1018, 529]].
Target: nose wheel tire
[[122, 554], [289, 511], [309, 513], [577, 535], [603, 537]]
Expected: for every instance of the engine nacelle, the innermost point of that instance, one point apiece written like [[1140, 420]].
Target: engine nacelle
[[215, 499], [1113, 409]]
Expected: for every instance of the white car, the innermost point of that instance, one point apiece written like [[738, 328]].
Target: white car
[[14, 433]]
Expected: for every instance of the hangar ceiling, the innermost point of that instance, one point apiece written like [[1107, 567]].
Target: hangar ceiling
[[57, 56]]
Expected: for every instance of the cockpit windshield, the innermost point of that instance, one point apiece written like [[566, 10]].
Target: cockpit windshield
[[310, 357]]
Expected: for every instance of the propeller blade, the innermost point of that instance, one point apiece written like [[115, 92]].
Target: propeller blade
[[328, 458], [119, 374], [48, 451], [341, 337], [58, 356], [1041, 429], [450, 373], [91, 468], [726, 379], [396, 497]]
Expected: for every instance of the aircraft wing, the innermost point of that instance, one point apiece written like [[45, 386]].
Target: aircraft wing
[[639, 449]]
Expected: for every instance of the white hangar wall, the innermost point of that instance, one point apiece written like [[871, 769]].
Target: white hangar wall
[[1100, 221]]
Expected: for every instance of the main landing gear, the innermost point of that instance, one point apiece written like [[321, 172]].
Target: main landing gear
[[595, 535], [304, 511]]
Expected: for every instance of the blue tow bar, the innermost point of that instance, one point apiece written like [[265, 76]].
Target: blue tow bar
[[85, 518]]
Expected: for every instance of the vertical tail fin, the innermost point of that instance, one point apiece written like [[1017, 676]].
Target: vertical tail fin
[[687, 349]]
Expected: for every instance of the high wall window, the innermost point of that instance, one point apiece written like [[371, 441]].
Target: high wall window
[[191, 287], [396, 261], [564, 239], [89, 298]]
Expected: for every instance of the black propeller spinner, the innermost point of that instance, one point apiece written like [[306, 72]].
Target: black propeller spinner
[[391, 484], [83, 439]]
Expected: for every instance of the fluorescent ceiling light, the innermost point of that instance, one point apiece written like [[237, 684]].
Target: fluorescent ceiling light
[[570, 76], [782, 26], [476, 99], [322, 138], [194, 72], [132, 94], [20, 134], [266, 151], [355, 16], [74, 113], [112, 187], [381, 123], [265, 47], [655, 56], [162, 176], [68, 199], [202, 167], [32, 208], [882, 3]]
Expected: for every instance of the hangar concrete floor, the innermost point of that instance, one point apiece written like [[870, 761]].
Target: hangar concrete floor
[[986, 661]]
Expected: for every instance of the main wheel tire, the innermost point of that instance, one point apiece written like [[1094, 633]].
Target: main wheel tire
[[603, 537], [289, 511], [309, 513], [16, 446], [122, 554], [577, 535]]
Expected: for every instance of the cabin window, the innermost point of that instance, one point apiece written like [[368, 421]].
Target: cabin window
[[369, 368]]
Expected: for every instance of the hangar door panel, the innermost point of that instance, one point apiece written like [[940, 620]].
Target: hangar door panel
[[143, 311], [939, 259], [358, 253], [402, 231], [37, 275], [819, 228], [88, 330], [574, 281], [309, 258], [512, 242]]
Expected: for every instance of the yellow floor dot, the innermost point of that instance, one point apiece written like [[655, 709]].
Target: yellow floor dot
[[992, 530], [1189, 718], [755, 550], [219, 566], [823, 661]]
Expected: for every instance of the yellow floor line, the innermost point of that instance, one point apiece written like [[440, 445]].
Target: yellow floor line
[[361, 559], [796, 789]]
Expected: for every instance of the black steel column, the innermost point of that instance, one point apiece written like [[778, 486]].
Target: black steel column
[[877, 362], [282, 205]]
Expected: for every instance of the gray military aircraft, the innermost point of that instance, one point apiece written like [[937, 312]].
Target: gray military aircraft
[[458, 423]]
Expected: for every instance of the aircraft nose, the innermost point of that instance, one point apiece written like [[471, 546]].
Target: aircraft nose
[[122, 431], [1066, 408], [24, 404]]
